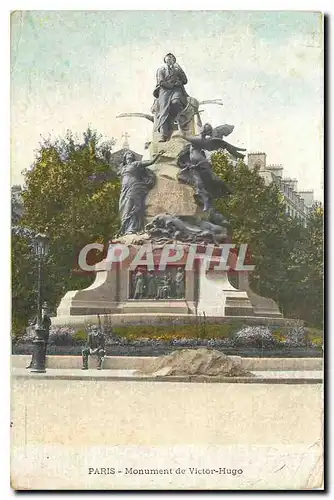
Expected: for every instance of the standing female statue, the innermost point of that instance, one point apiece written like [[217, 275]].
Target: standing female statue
[[137, 180]]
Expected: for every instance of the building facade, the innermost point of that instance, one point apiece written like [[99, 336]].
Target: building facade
[[16, 203], [117, 157], [297, 203]]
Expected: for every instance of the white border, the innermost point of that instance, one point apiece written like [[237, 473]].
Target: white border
[[5, 9]]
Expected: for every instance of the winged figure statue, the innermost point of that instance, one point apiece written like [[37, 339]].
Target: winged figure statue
[[185, 116], [196, 168]]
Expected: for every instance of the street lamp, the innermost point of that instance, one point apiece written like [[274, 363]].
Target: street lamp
[[41, 248]]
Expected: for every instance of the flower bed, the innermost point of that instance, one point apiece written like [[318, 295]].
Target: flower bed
[[139, 340]]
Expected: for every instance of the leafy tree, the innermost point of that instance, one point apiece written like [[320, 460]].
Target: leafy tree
[[287, 258], [257, 215], [24, 275], [307, 270], [61, 199]]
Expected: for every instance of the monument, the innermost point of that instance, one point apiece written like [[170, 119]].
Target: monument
[[169, 202]]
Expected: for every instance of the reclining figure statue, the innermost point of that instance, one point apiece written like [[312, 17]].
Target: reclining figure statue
[[167, 227]]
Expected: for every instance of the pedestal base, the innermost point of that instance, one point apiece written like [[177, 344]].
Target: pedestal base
[[162, 319], [262, 306], [217, 297], [207, 292]]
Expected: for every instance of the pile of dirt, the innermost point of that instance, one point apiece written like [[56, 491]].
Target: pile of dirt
[[205, 362]]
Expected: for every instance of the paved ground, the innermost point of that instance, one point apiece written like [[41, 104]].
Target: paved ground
[[122, 412], [306, 374], [296, 376], [60, 428]]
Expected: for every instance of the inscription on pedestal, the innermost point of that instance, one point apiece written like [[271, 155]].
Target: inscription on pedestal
[[168, 196]]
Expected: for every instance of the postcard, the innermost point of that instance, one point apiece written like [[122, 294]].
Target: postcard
[[167, 250]]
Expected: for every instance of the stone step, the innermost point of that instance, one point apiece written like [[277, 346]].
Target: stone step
[[261, 377], [138, 362]]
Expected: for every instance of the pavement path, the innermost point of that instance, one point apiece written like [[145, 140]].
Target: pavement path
[[61, 428], [296, 376]]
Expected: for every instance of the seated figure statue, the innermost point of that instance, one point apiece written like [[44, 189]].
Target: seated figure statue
[[170, 96], [95, 346]]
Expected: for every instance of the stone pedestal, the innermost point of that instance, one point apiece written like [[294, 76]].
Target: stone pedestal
[[217, 297], [171, 148], [206, 291], [168, 195], [111, 294], [99, 298], [262, 306]]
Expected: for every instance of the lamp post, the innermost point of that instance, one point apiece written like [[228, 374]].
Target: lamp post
[[41, 248]]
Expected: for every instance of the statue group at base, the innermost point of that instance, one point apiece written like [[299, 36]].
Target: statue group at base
[[170, 199]]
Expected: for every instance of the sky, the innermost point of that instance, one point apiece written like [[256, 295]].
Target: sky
[[74, 69]]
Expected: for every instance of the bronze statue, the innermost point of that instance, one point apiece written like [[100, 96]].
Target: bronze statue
[[174, 109], [137, 180], [188, 229], [170, 95], [179, 283], [184, 118], [139, 285], [196, 168], [165, 289], [151, 290]]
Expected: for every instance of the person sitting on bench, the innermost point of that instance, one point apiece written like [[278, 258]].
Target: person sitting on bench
[[95, 346]]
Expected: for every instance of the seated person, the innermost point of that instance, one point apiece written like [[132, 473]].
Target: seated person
[[95, 345]]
